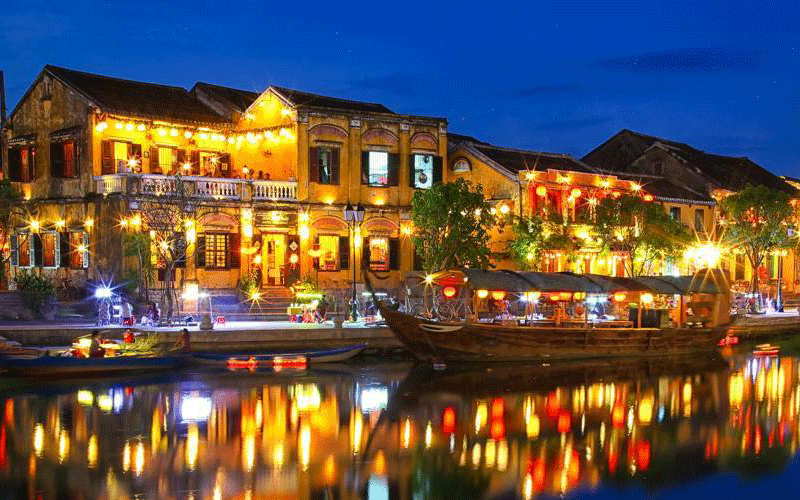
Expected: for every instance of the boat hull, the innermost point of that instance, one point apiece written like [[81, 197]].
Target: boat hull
[[58, 365], [312, 357], [474, 342]]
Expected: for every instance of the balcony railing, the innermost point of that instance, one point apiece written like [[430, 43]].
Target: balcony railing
[[210, 188]]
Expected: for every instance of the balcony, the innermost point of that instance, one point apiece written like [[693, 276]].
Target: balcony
[[206, 188]]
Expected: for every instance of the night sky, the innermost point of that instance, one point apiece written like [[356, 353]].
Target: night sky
[[723, 76]]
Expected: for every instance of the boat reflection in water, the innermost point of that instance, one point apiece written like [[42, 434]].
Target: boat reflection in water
[[395, 432]]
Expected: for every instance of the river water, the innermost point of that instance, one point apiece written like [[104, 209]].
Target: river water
[[722, 426]]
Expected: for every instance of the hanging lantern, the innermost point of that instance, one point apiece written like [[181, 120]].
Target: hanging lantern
[[498, 295], [449, 420], [648, 197], [619, 296], [615, 194], [541, 191], [482, 294], [576, 193], [578, 296], [646, 298], [449, 291], [565, 295], [555, 297]]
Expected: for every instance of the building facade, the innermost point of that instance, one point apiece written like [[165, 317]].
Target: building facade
[[268, 176]]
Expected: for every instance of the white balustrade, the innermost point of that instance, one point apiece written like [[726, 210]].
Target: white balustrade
[[274, 190], [200, 187]]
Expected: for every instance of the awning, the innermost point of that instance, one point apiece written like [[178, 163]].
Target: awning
[[22, 139], [67, 133]]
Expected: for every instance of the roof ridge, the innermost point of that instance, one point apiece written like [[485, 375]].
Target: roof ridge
[[528, 151], [340, 99], [225, 87], [50, 67]]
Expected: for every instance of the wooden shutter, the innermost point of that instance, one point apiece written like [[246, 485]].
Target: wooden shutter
[[313, 164], [315, 260], [335, 165], [14, 246], [417, 260], [76, 157], [154, 167], [85, 253], [200, 252], [394, 254], [38, 251], [56, 159], [136, 153], [181, 160], [394, 169], [64, 249], [32, 163], [106, 158], [411, 176], [344, 252], [365, 167], [195, 162], [234, 241], [437, 169]]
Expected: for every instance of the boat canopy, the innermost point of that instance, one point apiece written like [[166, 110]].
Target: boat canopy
[[527, 281]]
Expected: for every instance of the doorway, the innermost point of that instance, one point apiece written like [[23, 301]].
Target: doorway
[[274, 259]]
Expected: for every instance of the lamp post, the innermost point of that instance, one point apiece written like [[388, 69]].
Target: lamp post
[[354, 217]]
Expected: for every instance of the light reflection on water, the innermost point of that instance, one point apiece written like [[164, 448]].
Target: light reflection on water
[[563, 429]]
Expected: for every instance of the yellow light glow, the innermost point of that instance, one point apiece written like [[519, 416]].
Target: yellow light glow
[[329, 200], [257, 260], [605, 184], [305, 446], [105, 403], [34, 226], [187, 134], [428, 435], [255, 296], [88, 223], [162, 132], [619, 297], [428, 279], [129, 126], [85, 397], [293, 259], [646, 298], [141, 127], [60, 223], [101, 126], [91, 451], [81, 248], [63, 445], [407, 433], [38, 439], [191, 291], [247, 230], [482, 294], [192, 445], [378, 201], [504, 209], [304, 231], [303, 217], [635, 186], [173, 132], [118, 126], [593, 201], [203, 135], [498, 295], [481, 414]]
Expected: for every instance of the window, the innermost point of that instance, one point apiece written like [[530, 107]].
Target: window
[[216, 251], [675, 213], [328, 252], [49, 242], [379, 254], [24, 250], [699, 217], [462, 166], [379, 168], [21, 162], [208, 163], [78, 250], [63, 159], [426, 170], [324, 165], [120, 157]]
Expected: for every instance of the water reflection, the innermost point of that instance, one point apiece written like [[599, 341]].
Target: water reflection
[[399, 433]]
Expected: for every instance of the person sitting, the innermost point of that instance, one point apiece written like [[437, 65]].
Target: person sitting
[[128, 336], [95, 349], [261, 175]]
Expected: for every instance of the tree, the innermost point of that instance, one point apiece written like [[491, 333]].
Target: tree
[[12, 209], [536, 234], [642, 231], [451, 226], [138, 245], [757, 221], [169, 217]]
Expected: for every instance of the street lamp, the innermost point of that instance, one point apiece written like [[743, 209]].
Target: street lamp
[[354, 218]]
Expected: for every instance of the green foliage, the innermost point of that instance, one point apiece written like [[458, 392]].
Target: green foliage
[[137, 244], [526, 247], [451, 224], [642, 230], [247, 285], [35, 290], [11, 207], [757, 220]]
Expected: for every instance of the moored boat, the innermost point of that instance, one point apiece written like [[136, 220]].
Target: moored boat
[[289, 358], [527, 339], [69, 366]]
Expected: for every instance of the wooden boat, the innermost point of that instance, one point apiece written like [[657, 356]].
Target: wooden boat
[[475, 342], [64, 365], [288, 359]]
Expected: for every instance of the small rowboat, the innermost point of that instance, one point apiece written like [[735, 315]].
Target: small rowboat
[[64, 365], [292, 359]]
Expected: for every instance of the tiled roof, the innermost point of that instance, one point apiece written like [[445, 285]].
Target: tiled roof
[[732, 173], [517, 160], [308, 100], [237, 99], [664, 189], [137, 99]]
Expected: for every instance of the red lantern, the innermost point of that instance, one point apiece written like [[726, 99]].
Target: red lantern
[[498, 408], [449, 291], [643, 455], [618, 416], [449, 420], [498, 429], [564, 422]]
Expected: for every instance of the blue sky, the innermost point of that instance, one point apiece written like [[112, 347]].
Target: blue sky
[[723, 76]]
